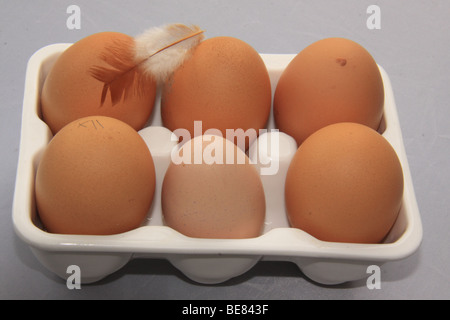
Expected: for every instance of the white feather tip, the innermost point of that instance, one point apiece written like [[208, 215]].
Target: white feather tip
[[161, 50]]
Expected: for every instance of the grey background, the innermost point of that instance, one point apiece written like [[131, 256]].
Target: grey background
[[412, 45]]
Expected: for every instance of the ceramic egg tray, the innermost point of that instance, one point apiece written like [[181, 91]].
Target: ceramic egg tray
[[202, 260]]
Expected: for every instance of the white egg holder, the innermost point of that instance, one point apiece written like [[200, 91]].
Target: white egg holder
[[203, 260]]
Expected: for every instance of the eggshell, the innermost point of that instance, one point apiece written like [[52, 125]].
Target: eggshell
[[332, 80], [71, 92], [96, 176], [344, 184], [214, 192], [225, 85]]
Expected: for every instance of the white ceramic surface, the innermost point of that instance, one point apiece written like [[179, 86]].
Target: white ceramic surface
[[204, 260]]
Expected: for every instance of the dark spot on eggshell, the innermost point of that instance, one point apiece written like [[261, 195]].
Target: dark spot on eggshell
[[341, 61]]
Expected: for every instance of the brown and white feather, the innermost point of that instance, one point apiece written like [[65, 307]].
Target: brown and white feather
[[155, 53]]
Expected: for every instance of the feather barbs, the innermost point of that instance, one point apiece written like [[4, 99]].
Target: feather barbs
[[120, 74], [162, 50], [156, 53]]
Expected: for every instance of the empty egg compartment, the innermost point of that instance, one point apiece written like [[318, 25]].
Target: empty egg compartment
[[204, 260]]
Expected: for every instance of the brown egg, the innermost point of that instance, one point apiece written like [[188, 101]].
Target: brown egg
[[212, 197], [225, 84], [344, 184], [71, 92], [332, 80], [96, 177]]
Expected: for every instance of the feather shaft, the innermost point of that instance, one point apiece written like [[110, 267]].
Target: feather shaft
[[178, 41]]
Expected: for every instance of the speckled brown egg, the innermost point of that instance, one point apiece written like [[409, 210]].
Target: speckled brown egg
[[208, 196], [224, 84], [95, 177], [332, 80], [344, 184], [70, 90]]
